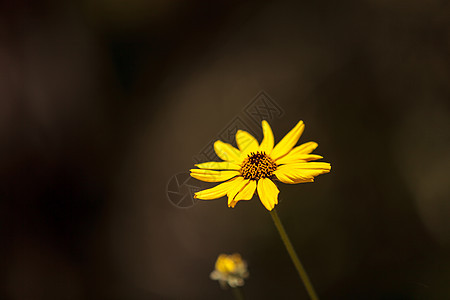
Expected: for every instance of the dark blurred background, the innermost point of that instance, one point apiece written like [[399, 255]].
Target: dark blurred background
[[103, 101]]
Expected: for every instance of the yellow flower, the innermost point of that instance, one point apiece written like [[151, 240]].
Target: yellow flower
[[254, 166], [230, 269]]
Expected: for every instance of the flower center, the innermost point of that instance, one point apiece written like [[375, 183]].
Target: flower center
[[258, 165]]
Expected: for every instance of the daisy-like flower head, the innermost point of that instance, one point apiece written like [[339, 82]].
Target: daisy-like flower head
[[230, 269], [254, 166]]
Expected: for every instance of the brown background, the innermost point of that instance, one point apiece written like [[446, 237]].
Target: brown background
[[102, 102]]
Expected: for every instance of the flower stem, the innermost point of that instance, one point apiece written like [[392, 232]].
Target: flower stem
[[237, 292], [290, 249]]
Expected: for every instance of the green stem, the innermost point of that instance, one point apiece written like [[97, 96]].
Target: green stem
[[237, 292], [290, 249]]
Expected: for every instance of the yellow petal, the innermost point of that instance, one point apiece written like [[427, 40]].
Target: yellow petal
[[288, 176], [301, 172], [245, 194], [221, 165], [227, 152], [305, 148], [212, 175], [218, 191], [268, 193], [246, 142], [310, 166], [296, 158], [268, 140], [239, 186], [288, 142]]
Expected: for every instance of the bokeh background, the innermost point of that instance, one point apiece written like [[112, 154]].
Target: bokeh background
[[103, 101]]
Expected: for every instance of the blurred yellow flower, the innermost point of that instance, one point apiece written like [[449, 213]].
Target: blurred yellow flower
[[230, 269], [254, 166]]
